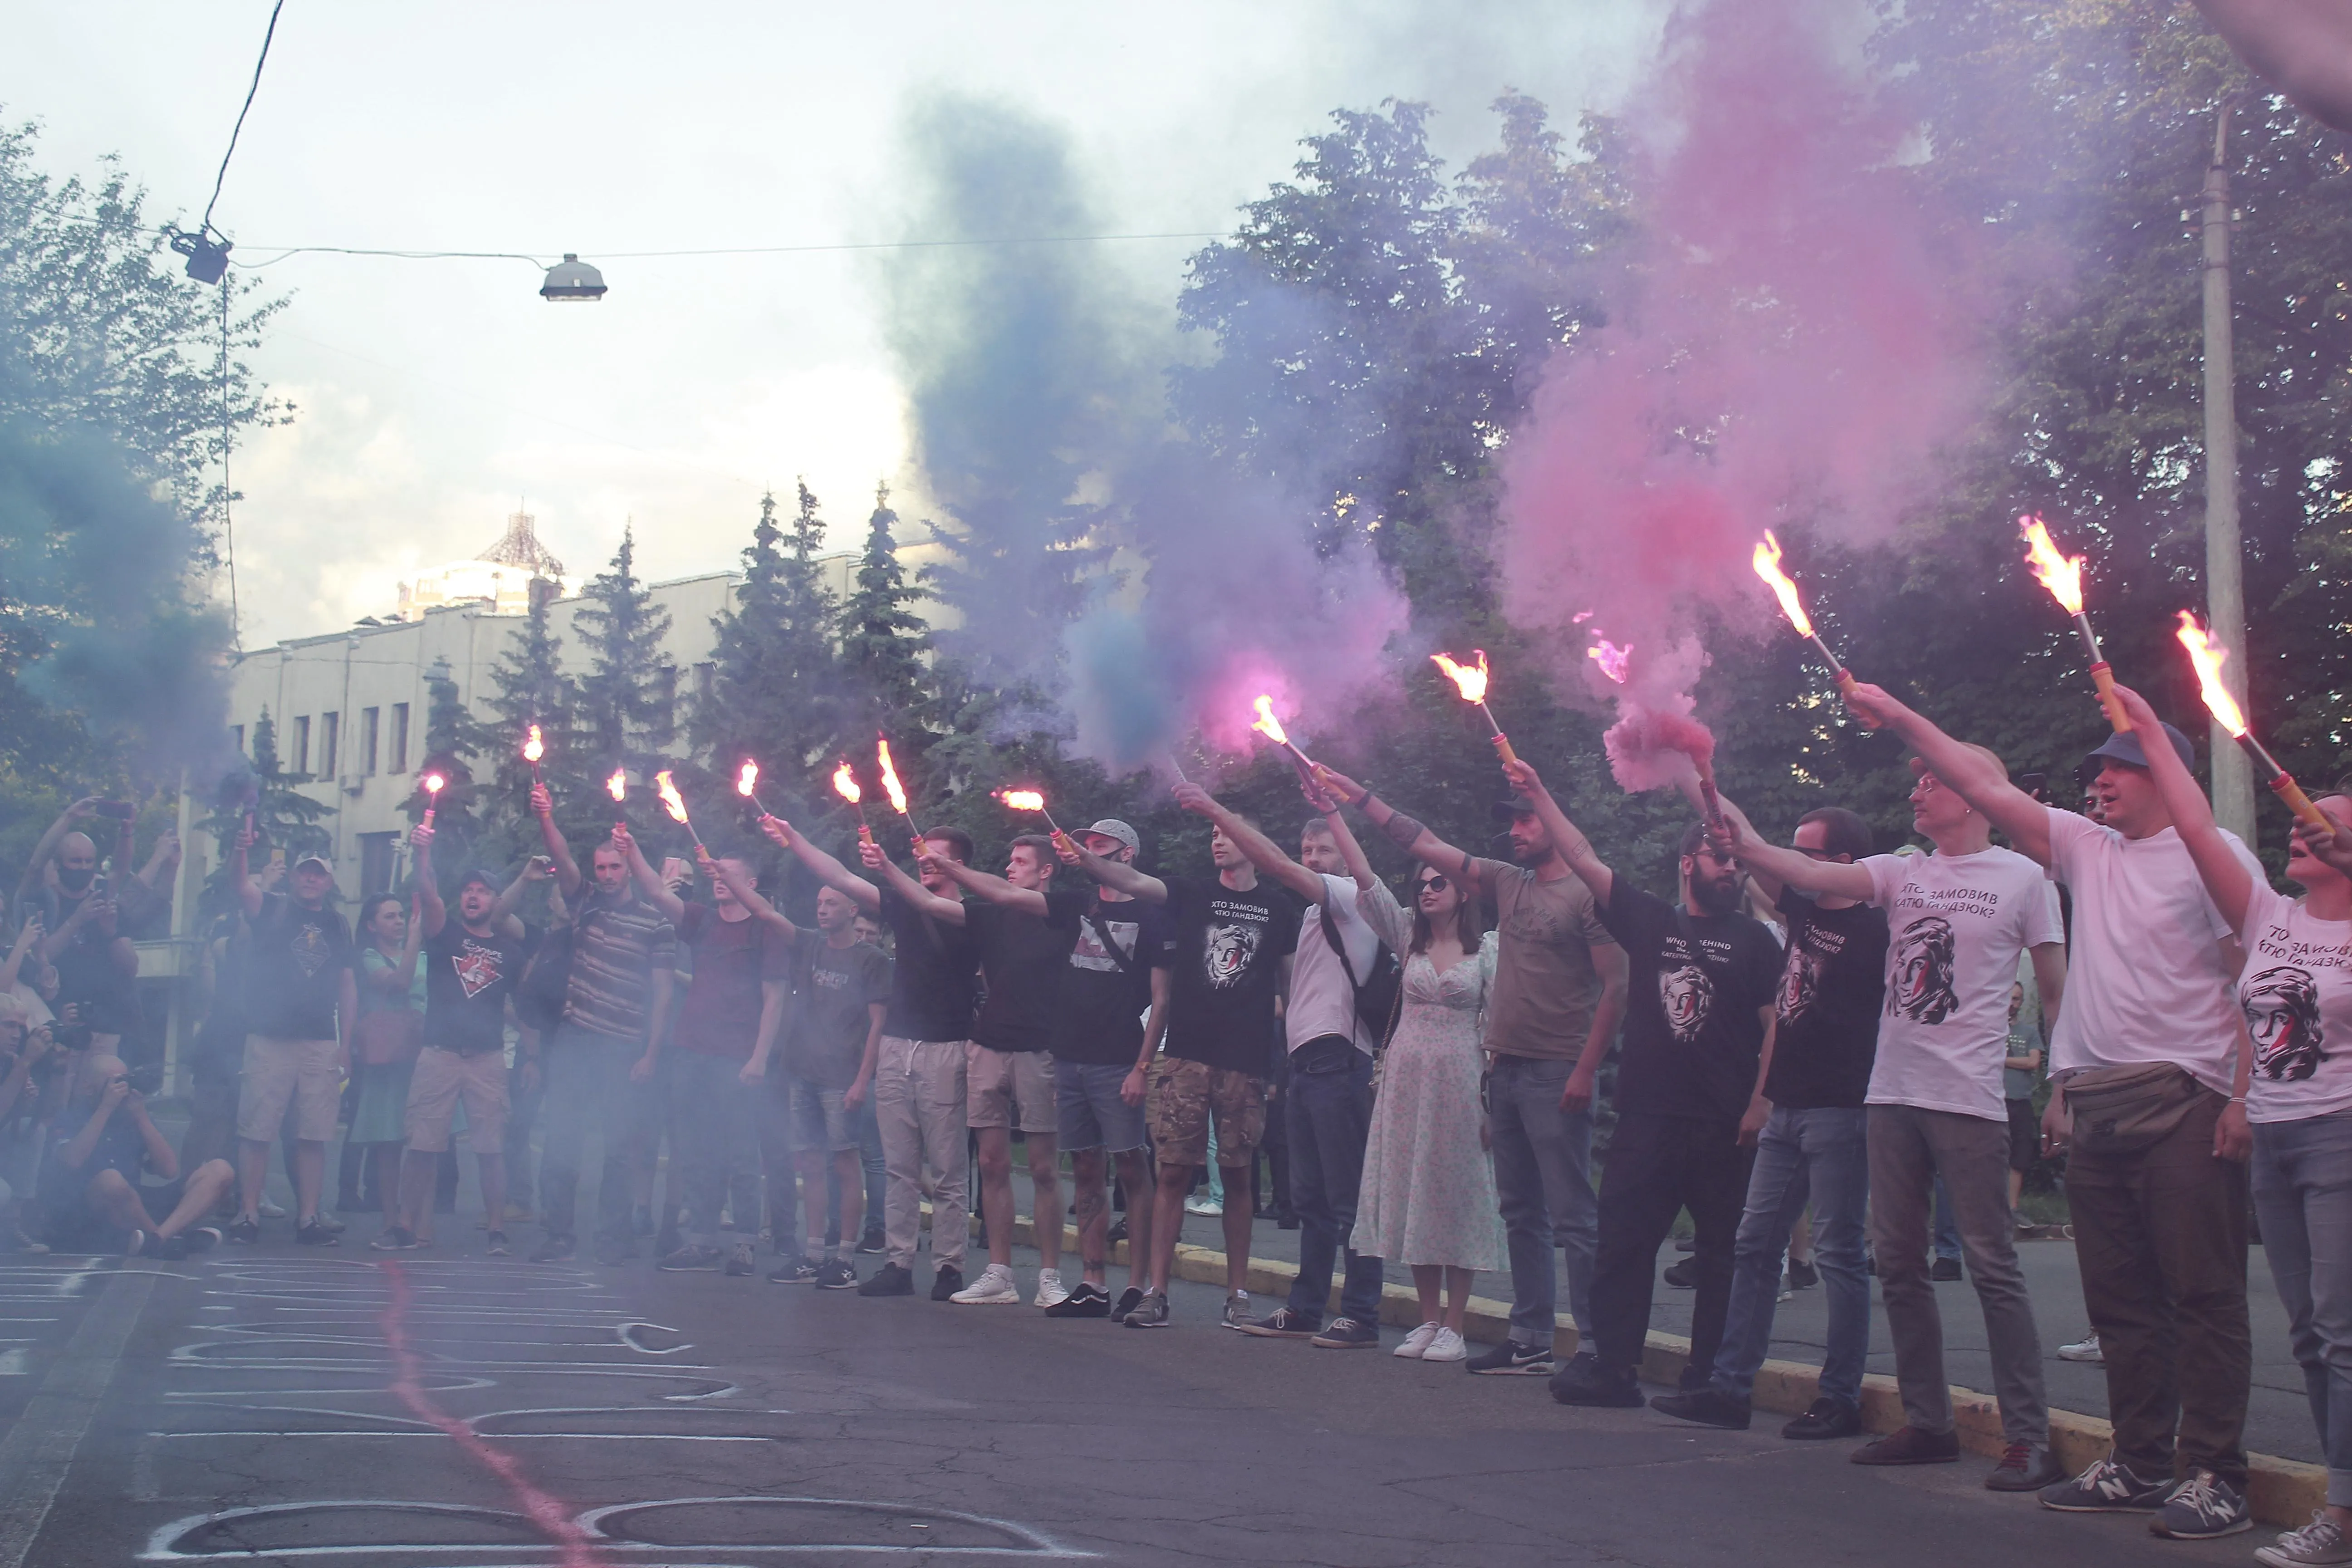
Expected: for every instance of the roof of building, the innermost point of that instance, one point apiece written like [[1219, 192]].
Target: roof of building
[[519, 546]]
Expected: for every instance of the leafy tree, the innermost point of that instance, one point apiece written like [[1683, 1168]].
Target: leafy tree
[[774, 694], [884, 643], [625, 712]]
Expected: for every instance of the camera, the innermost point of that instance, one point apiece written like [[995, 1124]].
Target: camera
[[147, 1079]]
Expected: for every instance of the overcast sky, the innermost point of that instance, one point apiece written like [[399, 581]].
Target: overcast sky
[[433, 397]]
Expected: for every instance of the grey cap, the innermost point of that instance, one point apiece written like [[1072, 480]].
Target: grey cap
[[2125, 748], [1112, 827], [479, 873]]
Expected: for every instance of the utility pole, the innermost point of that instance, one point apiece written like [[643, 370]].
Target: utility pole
[[2225, 588]]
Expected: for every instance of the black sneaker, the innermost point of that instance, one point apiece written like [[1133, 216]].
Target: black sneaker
[[693, 1260], [1084, 1301], [1802, 1275], [792, 1271], [1596, 1384], [2109, 1485], [555, 1249], [1826, 1417], [1129, 1300], [1945, 1270], [170, 1248], [2200, 1508], [245, 1232], [1282, 1324], [871, 1244], [890, 1280], [1348, 1334], [201, 1238], [837, 1274], [1150, 1313], [395, 1239], [946, 1280], [1683, 1275], [1512, 1359], [739, 1261], [1707, 1407], [497, 1245], [1117, 1231], [315, 1235]]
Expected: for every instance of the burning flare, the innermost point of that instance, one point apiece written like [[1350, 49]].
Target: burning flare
[[1266, 725], [1768, 566], [1022, 799], [1470, 680], [1615, 662], [672, 801], [434, 784], [747, 778], [2061, 575], [890, 777], [533, 748], [844, 783], [2207, 656], [618, 786]]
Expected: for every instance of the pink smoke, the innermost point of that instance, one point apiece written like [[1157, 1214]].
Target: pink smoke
[[1795, 342], [1652, 748]]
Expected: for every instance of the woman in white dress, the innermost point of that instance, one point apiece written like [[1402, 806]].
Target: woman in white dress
[[1428, 1194]]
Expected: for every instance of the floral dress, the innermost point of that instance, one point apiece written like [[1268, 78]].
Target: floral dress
[[1428, 1193]]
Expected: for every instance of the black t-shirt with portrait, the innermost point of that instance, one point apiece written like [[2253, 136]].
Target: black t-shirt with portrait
[[467, 979], [1832, 982], [1106, 985], [932, 987], [1696, 992], [1023, 957], [294, 960], [1228, 970]]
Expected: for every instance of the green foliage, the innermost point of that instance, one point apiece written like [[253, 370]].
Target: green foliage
[[884, 643], [775, 694], [625, 710]]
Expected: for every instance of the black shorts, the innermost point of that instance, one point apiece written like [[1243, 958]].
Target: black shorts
[[2024, 1135], [75, 1227]]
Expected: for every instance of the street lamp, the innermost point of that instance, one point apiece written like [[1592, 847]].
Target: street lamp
[[572, 279]]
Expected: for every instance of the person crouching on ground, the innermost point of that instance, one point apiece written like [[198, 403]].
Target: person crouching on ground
[[95, 1200]]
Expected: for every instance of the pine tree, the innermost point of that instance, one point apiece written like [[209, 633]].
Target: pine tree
[[625, 709], [528, 686], [775, 693], [286, 818], [882, 641]]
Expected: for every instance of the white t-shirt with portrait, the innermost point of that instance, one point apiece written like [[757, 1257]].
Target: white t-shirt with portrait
[[2144, 978], [1955, 925], [2297, 991]]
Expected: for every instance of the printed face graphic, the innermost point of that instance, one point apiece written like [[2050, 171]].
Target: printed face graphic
[[1688, 995], [477, 968], [1800, 982], [1921, 984], [1226, 953], [2283, 1016]]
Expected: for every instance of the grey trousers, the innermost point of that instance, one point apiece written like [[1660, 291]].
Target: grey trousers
[[1908, 1147], [918, 1102]]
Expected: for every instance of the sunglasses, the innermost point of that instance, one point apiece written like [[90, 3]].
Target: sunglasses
[[1435, 882]]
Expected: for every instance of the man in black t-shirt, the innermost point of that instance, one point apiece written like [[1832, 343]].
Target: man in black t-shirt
[[1690, 1094], [1814, 1145], [919, 1088], [471, 966], [298, 983], [1232, 937]]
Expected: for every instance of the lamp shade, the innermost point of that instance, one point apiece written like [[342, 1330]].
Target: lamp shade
[[572, 279]]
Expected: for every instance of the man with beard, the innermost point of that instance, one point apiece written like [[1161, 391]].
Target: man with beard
[[1690, 1093], [1960, 917], [1815, 1145], [1560, 992]]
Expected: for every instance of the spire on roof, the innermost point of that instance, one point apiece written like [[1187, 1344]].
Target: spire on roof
[[519, 546]]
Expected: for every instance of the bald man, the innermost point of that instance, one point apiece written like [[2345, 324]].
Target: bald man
[[83, 935], [96, 1202]]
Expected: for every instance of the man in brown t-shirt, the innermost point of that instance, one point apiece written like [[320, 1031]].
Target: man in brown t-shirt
[[1559, 992]]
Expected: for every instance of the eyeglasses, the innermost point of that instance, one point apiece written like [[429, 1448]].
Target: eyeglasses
[[1433, 883]]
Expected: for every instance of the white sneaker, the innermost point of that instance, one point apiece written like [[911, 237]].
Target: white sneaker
[[1051, 1291], [1202, 1203], [2085, 1349], [1446, 1346], [1416, 1342], [269, 1210], [994, 1287]]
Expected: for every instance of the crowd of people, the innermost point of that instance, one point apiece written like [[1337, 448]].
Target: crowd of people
[[1808, 1029]]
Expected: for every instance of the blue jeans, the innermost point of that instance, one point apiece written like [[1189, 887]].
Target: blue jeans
[[1330, 1116], [2302, 1193], [588, 1081], [1825, 1154], [1543, 1178], [717, 1145], [1947, 1224]]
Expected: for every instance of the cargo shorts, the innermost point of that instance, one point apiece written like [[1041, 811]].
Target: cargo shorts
[[1186, 1096]]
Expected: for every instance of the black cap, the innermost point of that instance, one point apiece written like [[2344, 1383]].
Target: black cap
[[2125, 748], [1511, 810], [479, 874]]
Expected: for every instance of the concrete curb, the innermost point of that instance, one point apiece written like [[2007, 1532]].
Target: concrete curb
[[2283, 1492]]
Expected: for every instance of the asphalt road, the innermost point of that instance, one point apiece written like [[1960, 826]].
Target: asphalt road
[[272, 1405]]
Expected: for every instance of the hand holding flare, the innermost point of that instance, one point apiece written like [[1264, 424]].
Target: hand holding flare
[[845, 785], [2062, 575], [433, 786], [1768, 566], [1471, 682], [2207, 655], [533, 749], [1266, 725], [674, 803]]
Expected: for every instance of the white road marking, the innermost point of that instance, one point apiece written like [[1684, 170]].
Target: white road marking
[[39, 1450]]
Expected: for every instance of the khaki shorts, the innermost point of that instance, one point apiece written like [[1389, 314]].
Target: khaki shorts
[[278, 1073], [997, 1083], [1183, 1098], [441, 1078]]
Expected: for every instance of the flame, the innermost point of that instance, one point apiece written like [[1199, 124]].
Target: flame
[[1266, 725], [889, 776], [1022, 799], [844, 783], [672, 801], [1472, 683], [2208, 655], [434, 783], [533, 748], [747, 778], [2062, 575], [1614, 661], [618, 786], [1768, 566]]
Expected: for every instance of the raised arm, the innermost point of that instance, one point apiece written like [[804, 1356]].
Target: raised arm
[[993, 889], [27, 935], [827, 869], [658, 893], [431, 912], [922, 899], [1117, 876], [1262, 852], [1407, 833], [559, 853], [535, 868], [73, 816], [746, 894], [249, 891], [2227, 881], [1352, 851], [1979, 779], [1775, 867], [1567, 839]]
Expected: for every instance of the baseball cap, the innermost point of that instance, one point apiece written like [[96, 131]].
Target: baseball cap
[[481, 874], [1511, 810], [1112, 827], [2125, 748], [318, 860]]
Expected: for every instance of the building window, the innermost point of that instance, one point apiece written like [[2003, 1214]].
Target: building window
[[376, 850], [331, 734], [368, 717], [236, 734], [302, 745], [399, 737]]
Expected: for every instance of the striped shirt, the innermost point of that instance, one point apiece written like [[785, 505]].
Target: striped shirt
[[616, 948]]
